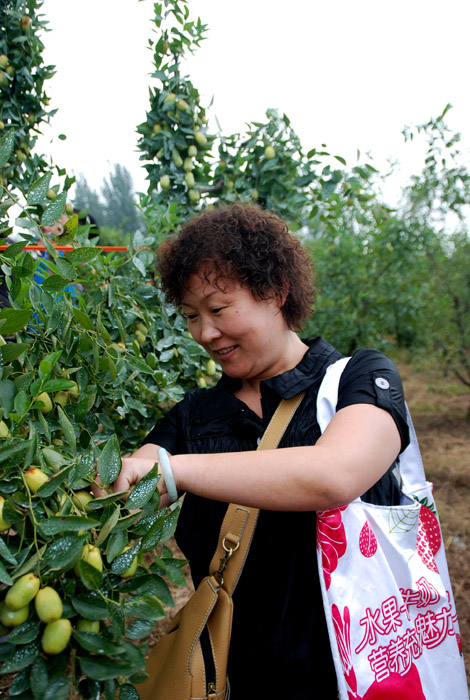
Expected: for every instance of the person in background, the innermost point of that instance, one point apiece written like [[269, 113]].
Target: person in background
[[57, 229], [244, 285]]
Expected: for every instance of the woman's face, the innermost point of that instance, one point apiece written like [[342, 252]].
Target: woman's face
[[245, 335]]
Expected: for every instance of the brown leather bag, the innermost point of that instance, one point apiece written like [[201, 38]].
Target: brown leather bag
[[190, 661]]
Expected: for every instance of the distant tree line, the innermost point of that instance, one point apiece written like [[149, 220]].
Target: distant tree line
[[114, 207]]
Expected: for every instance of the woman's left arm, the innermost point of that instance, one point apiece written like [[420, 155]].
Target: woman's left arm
[[357, 448]]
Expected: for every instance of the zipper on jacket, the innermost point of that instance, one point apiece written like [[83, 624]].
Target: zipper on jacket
[[209, 664]]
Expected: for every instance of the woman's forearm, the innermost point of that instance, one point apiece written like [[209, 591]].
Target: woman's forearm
[[355, 451]]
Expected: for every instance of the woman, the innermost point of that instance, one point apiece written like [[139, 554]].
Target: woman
[[244, 285]]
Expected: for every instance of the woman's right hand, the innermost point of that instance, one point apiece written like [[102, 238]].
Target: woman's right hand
[[132, 470]]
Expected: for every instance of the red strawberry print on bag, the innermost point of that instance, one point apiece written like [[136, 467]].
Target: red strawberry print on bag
[[331, 539], [429, 538], [367, 541]]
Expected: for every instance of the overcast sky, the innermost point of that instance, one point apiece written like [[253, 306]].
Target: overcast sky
[[348, 74]]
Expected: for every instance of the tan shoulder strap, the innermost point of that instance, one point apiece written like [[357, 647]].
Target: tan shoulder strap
[[239, 523]]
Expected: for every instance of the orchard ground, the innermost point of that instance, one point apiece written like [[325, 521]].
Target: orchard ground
[[439, 407]]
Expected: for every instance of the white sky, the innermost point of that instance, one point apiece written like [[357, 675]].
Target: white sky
[[348, 74]]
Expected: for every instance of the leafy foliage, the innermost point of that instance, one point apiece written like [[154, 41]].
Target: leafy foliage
[[23, 100], [84, 374], [437, 203]]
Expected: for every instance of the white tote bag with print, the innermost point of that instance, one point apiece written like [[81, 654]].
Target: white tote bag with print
[[385, 585]]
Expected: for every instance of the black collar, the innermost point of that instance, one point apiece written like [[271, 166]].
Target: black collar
[[310, 370]]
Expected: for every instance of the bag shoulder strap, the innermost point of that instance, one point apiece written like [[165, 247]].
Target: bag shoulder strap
[[239, 523]]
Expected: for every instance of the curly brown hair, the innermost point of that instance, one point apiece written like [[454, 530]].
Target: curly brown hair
[[245, 244]]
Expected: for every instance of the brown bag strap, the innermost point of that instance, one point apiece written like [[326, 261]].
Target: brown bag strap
[[239, 523]]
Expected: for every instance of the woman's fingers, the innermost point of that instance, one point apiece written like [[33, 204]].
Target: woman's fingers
[[132, 471]]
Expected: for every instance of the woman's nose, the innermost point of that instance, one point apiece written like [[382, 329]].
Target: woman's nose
[[208, 331]]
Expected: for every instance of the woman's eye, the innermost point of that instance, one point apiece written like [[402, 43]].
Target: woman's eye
[[217, 309], [190, 317]]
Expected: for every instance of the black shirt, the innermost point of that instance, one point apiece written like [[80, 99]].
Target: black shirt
[[279, 646]]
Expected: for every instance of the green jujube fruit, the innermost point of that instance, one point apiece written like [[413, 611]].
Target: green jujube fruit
[[56, 636], [22, 592], [84, 625], [13, 618], [48, 605]]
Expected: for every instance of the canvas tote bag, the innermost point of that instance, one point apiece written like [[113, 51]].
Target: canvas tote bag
[[385, 585]]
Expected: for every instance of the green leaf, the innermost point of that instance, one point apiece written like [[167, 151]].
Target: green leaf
[[106, 500], [109, 461], [5, 576], [91, 606], [108, 526], [14, 320], [148, 583], [154, 535], [11, 351], [90, 576], [68, 429], [82, 319], [139, 629], [53, 458], [39, 189], [97, 644], [30, 563], [66, 523], [5, 552], [22, 657], [25, 633], [146, 607], [54, 482], [54, 210], [20, 684], [21, 402], [52, 357], [14, 454], [143, 491], [54, 283], [128, 692], [83, 254], [39, 678], [116, 544], [139, 364], [123, 561], [57, 385], [58, 690], [6, 147], [64, 552], [14, 249], [66, 269], [103, 669], [70, 230], [169, 524], [7, 395]]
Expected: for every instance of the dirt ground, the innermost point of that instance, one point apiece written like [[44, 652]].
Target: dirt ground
[[438, 406]]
